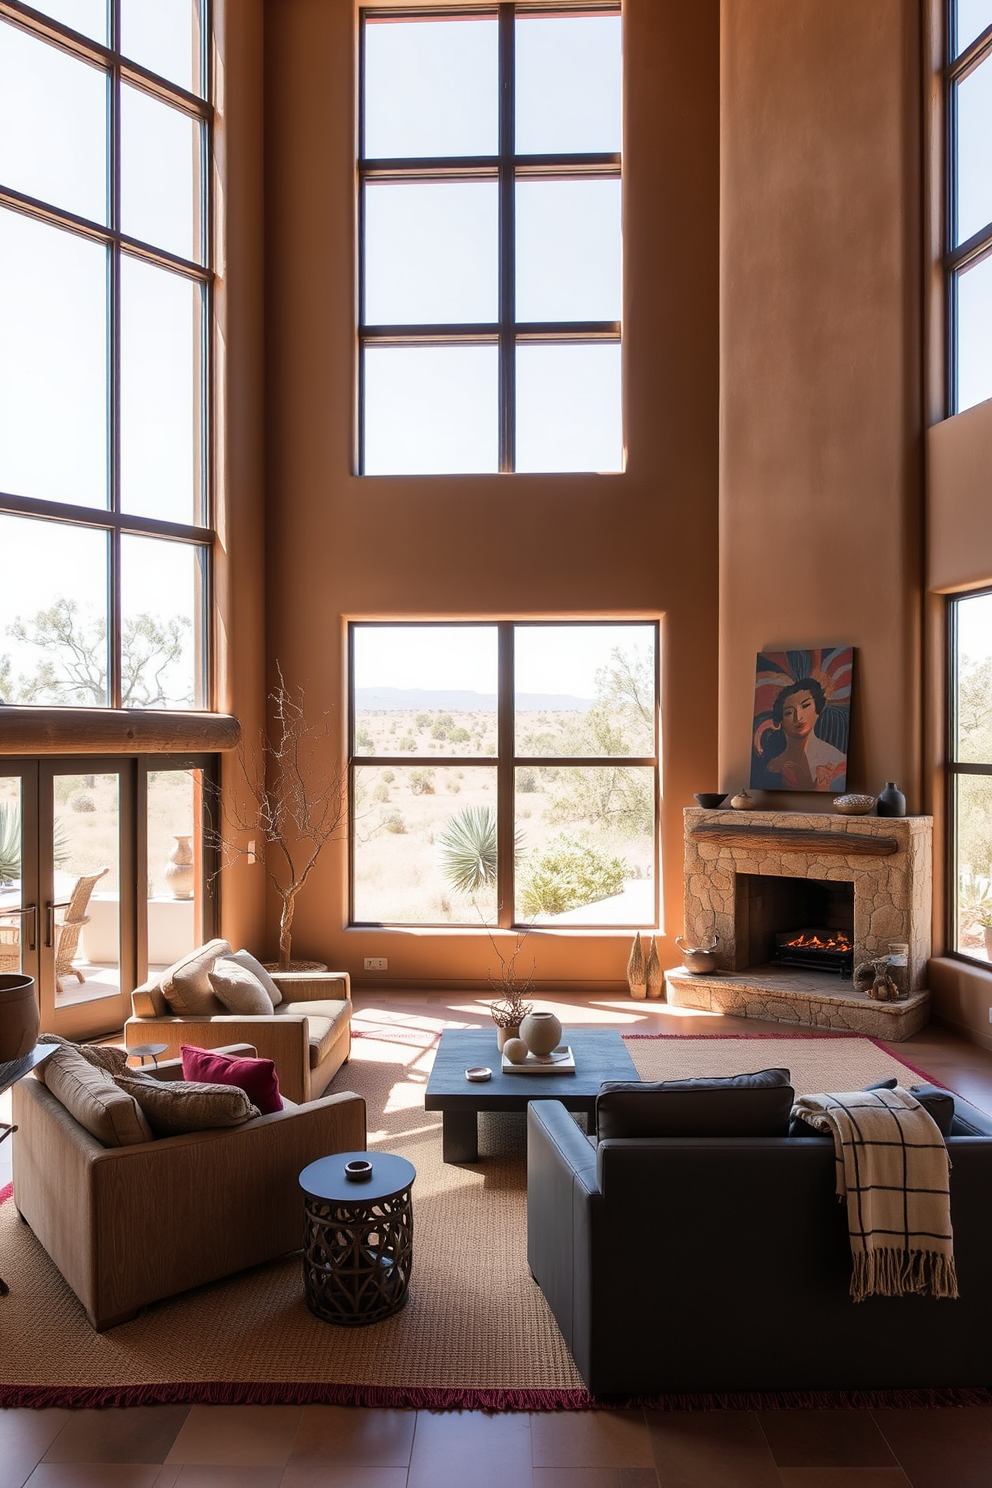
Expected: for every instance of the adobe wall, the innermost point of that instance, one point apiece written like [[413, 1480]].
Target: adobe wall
[[643, 543], [820, 466]]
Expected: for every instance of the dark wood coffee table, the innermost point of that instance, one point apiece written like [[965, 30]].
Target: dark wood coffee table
[[600, 1054]]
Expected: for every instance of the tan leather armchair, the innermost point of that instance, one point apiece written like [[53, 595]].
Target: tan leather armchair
[[130, 1225], [308, 1037]]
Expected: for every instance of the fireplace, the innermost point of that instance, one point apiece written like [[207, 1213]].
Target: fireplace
[[795, 922], [844, 888]]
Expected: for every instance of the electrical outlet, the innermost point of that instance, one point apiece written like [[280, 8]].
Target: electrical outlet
[[376, 963]]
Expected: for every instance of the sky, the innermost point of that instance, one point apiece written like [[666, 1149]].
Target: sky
[[554, 658]]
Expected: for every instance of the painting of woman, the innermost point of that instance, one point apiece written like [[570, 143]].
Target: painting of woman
[[802, 720]]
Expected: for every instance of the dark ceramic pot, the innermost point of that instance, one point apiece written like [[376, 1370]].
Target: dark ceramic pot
[[18, 1016], [891, 801]]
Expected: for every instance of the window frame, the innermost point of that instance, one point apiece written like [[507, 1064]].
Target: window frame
[[111, 520], [506, 763], [967, 255], [506, 333], [955, 769]]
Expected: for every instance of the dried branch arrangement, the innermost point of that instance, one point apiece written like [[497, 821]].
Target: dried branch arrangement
[[510, 1008], [295, 802]]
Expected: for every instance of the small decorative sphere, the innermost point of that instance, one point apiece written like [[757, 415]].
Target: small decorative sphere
[[515, 1050]]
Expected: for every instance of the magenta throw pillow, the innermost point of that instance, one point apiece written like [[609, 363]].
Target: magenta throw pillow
[[256, 1077]]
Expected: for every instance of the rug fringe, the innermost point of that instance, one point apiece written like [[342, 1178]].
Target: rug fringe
[[82, 1397]]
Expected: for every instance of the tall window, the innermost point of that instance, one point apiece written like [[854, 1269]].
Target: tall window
[[969, 226], [104, 308], [491, 240], [504, 773], [970, 774]]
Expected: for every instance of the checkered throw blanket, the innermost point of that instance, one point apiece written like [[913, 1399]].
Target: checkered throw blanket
[[892, 1167]]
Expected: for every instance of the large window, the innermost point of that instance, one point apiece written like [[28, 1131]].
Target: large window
[[491, 240], [969, 216], [970, 775], [104, 307], [504, 773]]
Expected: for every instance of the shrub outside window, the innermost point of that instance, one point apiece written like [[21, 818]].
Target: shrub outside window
[[504, 773]]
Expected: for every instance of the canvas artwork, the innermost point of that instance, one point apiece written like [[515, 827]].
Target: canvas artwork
[[802, 719]]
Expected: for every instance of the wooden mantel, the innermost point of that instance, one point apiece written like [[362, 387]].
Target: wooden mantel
[[795, 839]]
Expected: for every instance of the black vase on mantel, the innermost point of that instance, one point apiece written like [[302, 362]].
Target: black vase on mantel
[[891, 801]]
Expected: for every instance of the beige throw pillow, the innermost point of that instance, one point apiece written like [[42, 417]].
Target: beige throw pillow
[[239, 989], [174, 1107], [94, 1099], [186, 984], [247, 960]]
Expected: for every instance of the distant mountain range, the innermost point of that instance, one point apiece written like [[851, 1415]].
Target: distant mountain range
[[427, 700]]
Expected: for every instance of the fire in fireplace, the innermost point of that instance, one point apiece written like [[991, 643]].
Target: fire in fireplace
[[817, 949]]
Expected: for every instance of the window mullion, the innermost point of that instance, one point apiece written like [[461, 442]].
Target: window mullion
[[507, 214], [505, 803], [115, 660]]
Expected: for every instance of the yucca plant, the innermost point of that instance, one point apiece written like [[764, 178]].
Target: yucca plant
[[10, 841], [467, 849]]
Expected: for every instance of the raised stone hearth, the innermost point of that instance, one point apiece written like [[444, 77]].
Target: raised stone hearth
[[808, 999], [751, 874]]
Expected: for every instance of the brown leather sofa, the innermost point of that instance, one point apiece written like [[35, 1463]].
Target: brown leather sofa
[[130, 1225], [723, 1264], [308, 1036]]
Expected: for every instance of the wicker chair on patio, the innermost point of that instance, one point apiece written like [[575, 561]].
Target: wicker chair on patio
[[67, 931], [10, 947]]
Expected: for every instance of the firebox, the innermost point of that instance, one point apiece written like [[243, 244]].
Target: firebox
[[806, 922]]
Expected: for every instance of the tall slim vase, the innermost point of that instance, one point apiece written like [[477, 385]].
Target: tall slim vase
[[636, 977], [653, 974]]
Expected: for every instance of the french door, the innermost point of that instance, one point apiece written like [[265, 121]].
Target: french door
[[101, 875], [67, 910]]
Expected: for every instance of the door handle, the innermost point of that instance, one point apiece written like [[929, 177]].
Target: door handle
[[49, 923]]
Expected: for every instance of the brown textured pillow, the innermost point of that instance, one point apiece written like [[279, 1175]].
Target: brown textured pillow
[[186, 985], [109, 1057], [94, 1099], [174, 1107]]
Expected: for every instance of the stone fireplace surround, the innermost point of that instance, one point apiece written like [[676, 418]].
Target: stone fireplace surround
[[886, 860]]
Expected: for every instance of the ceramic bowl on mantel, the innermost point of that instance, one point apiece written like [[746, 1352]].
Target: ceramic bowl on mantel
[[854, 805], [710, 800]]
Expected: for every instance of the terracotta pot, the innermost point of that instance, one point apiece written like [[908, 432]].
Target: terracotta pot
[[541, 1032], [18, 1016], [179, 871]]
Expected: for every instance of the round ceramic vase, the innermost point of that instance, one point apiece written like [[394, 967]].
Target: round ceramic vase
[[18, 1016], [541, 1032]]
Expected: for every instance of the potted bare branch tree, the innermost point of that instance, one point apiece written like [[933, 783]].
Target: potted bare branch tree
[[294, 803]]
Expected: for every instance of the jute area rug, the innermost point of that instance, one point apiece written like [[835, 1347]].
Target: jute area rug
[[476, 1331]]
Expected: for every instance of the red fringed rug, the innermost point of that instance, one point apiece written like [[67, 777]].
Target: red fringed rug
[[476, 1332]]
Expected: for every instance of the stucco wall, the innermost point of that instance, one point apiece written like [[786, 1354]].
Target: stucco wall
[[820, 478], [638, 544]]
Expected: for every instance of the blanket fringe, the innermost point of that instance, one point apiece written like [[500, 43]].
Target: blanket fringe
[[895, 1272]]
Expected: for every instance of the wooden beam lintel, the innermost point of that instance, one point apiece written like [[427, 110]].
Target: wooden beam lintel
[[798, 840]]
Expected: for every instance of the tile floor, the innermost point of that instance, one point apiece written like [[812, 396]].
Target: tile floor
[[343, 1447]]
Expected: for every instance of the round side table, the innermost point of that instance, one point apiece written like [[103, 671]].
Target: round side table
[[147, 1051], [358, 1238]]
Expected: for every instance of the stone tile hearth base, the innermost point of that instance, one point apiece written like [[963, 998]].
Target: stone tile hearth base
[[810, 999]]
